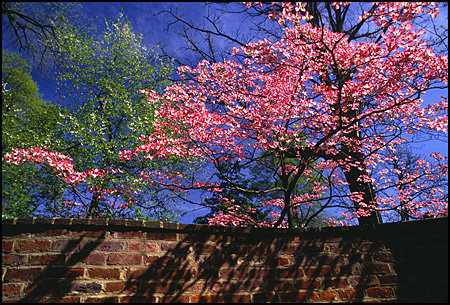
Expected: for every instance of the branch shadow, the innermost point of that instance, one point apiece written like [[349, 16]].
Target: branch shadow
[[270, 265], [57, 277]]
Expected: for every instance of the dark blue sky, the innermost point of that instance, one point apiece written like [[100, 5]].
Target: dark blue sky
[[145, 20]]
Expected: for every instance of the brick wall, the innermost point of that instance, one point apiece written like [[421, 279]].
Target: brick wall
[[98, 260]]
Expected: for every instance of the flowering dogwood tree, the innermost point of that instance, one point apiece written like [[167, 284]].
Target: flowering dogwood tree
[[317, 103], [352, 102]]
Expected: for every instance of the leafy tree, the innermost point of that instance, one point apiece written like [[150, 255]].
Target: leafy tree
[[27, 121], [102, 77], [351, 101]]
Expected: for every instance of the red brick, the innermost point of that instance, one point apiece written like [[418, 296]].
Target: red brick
[[96, 234], [251, 285], [22, 274], [143, 246], [337, 283], [47, 287], [206, 299], [155, 287], [137, 234], [104, 273], [347, 294], [81, 287], [293, 297], [110, 246], [115, 286], [178, 274], [205, 249], [307, 284], [122, 286], [56, 232], [139, 299], [124, 259], [13, 259], [132, 287], [223, 287], [94, 259], [332, 259], [353, 269], [264, 298], [277, 261], [7, 245], [322, 295], [160, 260], [47, 259], [222, 239], [364, 281], [260, 250], [11, 289], [33, 245], [237, 298], [380, 292], [101, 300], [141, 273], [63, 300], [197, 287], [64, 272], [278, 285], [234, 273], [374, 268], [316, 272], [383, 256], [242, 286], [335, 239], [161, 236], [70, 245], [288, 249], [174, 299], [364, 246], [388, 279], [21, 235], [290, 273], [176, 248]]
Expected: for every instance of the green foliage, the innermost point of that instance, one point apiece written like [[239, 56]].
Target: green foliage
[[102, 76], [27, 121]]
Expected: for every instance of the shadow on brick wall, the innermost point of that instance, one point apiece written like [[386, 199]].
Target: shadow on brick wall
[[346, 267], [59, 275], [402, 262]]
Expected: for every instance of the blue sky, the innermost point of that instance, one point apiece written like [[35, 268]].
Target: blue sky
[[145, 19]]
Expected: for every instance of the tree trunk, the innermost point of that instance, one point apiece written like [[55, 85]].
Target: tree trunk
[[361, 187]]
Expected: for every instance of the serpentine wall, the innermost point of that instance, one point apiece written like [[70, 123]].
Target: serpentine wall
[[99, 260]]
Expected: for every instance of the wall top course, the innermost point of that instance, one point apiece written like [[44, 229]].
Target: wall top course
[[130, 224]]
